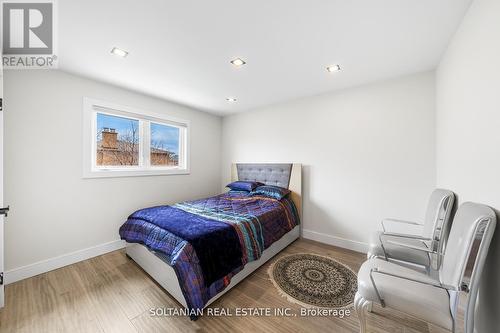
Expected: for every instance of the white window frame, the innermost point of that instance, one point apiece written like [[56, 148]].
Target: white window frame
[[90, 169]]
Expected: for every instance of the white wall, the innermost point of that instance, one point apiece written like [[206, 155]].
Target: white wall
[[368, 153], [53, 210], [468, 129]]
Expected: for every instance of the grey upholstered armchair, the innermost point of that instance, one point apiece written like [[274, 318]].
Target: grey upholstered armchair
[[432, 234], [434, 300]]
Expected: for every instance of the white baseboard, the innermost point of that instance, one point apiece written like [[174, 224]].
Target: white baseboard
[[336, 241], [47, 265]]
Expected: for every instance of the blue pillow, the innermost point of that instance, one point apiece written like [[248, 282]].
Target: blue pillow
[[233, 193], [241, 185], [272, 191]]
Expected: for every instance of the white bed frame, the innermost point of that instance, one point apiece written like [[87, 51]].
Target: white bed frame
[[165, 275]]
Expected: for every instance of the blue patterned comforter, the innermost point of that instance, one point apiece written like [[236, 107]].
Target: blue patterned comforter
[[208, 241]]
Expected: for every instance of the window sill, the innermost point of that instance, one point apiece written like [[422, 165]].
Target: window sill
[[114, 173]]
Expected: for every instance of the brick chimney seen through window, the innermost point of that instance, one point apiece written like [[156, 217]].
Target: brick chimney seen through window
[[109, 138]]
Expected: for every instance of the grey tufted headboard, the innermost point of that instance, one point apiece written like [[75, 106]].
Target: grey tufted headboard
[[286, 175], [269, 174]]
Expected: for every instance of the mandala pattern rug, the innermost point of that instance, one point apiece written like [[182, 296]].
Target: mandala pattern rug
[[314, 281]]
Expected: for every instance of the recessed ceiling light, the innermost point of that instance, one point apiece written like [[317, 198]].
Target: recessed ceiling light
[[238, 62], [119, 52], [231, 99], [333, 68]]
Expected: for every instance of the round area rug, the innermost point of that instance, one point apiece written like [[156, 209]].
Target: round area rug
[[314, 281]]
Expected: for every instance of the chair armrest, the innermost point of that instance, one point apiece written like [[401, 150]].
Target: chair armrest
[[408, 236], [435, 284], [400, 221], [384, 221], [414, 247]]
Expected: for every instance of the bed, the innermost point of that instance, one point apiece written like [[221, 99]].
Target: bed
[[176, 244]]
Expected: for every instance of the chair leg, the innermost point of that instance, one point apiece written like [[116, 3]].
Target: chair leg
[[369, 307], [362, 306]]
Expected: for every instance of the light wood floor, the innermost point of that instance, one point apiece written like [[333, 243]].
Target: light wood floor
[[111, 293]]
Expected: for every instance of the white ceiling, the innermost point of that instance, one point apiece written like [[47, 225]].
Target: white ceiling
[[180, 50]]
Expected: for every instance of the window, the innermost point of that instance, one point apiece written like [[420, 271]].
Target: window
[[164, 145], [117, 141], [121, 141]]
